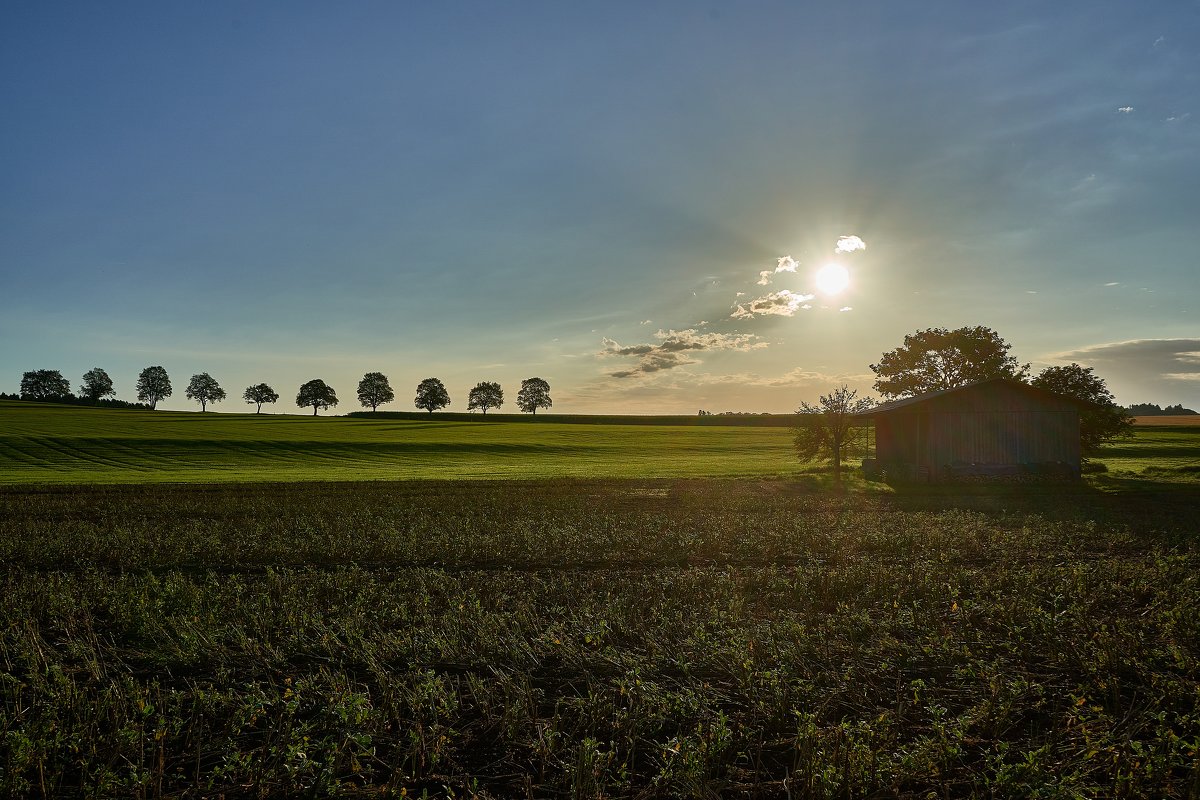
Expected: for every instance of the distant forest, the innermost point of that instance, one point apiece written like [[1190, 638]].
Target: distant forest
[[1152, 410]]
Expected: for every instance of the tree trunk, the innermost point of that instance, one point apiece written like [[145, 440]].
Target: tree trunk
[[314, 409], [259, 409]]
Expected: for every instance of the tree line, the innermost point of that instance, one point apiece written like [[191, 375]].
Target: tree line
[[374, 390]]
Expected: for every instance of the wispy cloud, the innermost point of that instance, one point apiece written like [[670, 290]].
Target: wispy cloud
[[1125, 110], [673, 348], [1113, 283], [1141, 370], [784, 303], [764, 277], [848, 244]]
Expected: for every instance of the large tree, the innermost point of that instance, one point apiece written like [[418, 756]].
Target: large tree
[[44, 384], [432, 395], [1100, 418], [827, 430], [485, 395], [374, 390], [96, 385], [534, 394], [260, 393], [204, 389], [153, 385], [316, 393], [937, 358]]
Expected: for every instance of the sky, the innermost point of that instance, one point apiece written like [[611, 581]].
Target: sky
[[653, 206]]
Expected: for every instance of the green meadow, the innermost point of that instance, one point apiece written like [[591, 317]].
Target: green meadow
[[227, 605], [62, 444], [48, 444]]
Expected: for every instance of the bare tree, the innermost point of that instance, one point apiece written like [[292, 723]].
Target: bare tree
[[826, 430]]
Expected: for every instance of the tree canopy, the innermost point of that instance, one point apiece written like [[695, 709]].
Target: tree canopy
[[260, 393], [96, 385], [485, 395], [937, 358], [153, 385], [316, 393], [1100, 418], [44, 384], [534, 394], [827, 430], [431, 395], [204, 389], [374, 390]]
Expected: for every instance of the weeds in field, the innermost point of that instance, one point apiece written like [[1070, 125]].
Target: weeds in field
[[594, 639]]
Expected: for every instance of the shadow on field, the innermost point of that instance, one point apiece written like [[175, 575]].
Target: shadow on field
[[1140, 503]]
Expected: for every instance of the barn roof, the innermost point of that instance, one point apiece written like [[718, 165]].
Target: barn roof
[[908, 402]]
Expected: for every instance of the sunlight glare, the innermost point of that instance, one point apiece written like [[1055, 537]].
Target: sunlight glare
[[832, 279]]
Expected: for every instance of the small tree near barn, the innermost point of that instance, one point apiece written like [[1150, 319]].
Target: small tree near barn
[[827, 430]]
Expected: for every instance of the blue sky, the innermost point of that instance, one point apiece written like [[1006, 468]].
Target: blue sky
[[591, 193]]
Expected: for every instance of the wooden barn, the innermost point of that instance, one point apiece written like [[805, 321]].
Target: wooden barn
[[998, 427]]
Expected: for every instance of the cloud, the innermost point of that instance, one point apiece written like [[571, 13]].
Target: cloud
[[1125, 110], [784, 303], [848, 244], [846, 308], [672, 349], [786, 264], [1162, 371], [782, 264], [1113, 283], [645, 322]]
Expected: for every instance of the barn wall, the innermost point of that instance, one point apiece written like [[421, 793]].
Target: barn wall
[[999, 427]]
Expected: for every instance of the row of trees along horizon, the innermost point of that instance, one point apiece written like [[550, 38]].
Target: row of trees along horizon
[[374, 390], [929, 360]]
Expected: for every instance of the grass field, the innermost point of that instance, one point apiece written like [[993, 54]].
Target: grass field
[[62, 444], [66, 444], [191, 606], [622, 639]]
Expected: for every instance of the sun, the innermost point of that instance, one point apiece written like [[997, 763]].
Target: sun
[[832, 279]]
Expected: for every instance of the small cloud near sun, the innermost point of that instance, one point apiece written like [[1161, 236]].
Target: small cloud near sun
[[848, 244], [1125, 110], [783, 303], [846, 308], [782, 264]]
